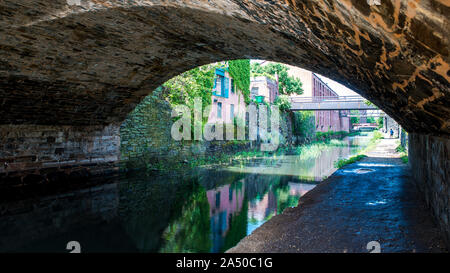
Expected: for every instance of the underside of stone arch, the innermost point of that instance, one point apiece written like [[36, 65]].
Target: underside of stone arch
[[71, 70]]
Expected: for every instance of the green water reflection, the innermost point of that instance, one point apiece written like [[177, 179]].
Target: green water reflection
[[207, 210]]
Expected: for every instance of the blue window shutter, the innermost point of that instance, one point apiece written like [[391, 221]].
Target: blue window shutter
[[223, 87], [214, 87], [220, 72], [227, 85]]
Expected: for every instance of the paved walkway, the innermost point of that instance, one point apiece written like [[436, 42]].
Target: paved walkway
[[371, 200]]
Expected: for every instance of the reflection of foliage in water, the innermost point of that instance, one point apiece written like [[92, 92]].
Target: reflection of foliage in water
[[211, 179], [260, 185], [238, 227], [269, 216], [149, 203], [237, 186], [284, 198], [256, 185], [190, 232]]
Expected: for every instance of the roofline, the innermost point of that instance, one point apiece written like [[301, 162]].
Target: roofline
[[325, 84]]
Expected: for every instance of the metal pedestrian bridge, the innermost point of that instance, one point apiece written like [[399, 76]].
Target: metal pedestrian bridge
[[330, 103]]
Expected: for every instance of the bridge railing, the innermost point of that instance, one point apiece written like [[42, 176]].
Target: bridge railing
[[365, 124], [328, 99]]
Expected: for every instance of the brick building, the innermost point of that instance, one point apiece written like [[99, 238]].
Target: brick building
[[227, 101], [314, 87]]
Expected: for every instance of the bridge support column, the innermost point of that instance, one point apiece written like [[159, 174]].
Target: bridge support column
[[38, 153], [429, 157]]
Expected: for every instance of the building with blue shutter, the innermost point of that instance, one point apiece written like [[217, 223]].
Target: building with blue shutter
[[227, 101]]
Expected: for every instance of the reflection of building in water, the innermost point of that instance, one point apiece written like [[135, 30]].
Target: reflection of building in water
[[324, 165], [224, 202], [299, 189], [261, 209]]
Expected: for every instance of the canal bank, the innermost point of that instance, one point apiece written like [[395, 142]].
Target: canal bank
[[205, 209], [374, 199]]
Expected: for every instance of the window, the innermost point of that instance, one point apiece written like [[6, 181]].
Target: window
[[231, 112], [254, 92], [218, 85], [219, 110], [218, 199], [232, 86]]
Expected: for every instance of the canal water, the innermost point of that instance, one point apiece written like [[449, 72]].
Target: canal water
[[209, 209]]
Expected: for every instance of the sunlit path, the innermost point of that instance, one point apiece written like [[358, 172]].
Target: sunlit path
[[371, 200]]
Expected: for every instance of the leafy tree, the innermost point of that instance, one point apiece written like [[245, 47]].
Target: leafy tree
[[354, 119], [380, 122], [288, 85], [283, 103], [303, 123], [197, 82]]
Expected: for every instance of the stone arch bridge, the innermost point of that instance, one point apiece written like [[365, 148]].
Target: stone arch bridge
[[71, 70]]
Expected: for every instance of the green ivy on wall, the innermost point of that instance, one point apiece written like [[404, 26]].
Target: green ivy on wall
[[240, 71], [197, 82]]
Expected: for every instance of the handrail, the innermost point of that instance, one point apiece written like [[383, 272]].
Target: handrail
[[327, 98]]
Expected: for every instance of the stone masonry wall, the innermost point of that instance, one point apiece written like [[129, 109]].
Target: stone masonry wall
[[146, 141], [33, 154], [39, 153], [429, 157]]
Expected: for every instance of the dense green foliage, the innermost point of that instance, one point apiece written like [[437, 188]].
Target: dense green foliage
[[190, 231], [238, 227], [329, 134], [303, 124], [403, 153], [380, 122], [240, 72], [197, 82], [369, 103], [377, 135], [283, 103], [287, 84], [354, 119]]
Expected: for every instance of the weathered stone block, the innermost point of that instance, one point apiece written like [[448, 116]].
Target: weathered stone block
[[41, 150], [428, 158]]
